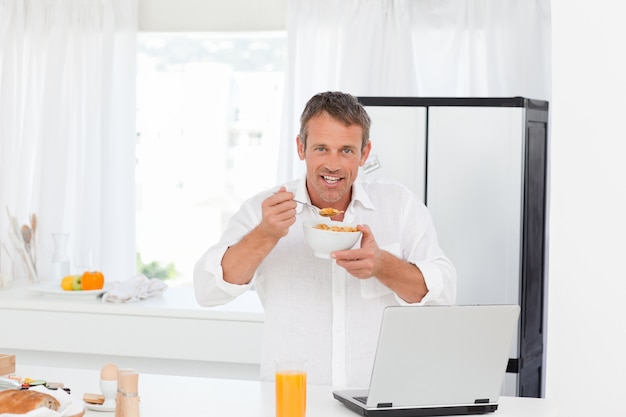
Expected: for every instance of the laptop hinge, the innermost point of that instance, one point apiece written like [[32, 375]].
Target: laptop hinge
[[482, 401], [513, 366], [384, 405]]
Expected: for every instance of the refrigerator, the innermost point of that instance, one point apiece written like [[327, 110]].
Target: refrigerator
[[481, 167]]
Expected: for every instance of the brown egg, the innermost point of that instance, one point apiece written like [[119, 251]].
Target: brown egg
[[109, 372]]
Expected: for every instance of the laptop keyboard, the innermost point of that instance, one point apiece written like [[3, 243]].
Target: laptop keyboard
[[361, 399]]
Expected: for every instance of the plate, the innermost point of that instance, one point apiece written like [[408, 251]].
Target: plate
[[99, 407], [57, 291]]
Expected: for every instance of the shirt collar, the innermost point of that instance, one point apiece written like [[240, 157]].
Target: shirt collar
[[360, 195], [301, 194]]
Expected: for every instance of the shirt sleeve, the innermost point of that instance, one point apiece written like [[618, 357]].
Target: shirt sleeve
[[208, 277], [422, 249]]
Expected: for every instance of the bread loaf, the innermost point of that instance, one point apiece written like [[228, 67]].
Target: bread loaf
[[15, 401]]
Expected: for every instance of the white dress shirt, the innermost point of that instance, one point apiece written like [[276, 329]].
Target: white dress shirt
[[315, 310]]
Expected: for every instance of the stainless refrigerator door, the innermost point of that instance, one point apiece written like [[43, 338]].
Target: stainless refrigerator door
[[475, 191], [475, 157], [398, 136], [467, 165]]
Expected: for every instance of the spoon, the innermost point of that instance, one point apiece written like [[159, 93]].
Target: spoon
[[324, 212]]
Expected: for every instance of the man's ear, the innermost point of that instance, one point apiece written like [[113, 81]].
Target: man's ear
[[365, 153], [301, 150]]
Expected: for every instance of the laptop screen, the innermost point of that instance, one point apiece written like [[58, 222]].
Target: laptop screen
[[441, 357]]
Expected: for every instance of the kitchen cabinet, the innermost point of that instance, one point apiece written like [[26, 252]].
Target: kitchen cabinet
[[169, 334], [481, 167]]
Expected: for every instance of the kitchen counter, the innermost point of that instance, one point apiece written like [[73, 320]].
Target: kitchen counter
[[175, 302], [164, 395], [169, 334]]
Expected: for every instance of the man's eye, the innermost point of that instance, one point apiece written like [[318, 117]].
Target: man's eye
[[348, 151]]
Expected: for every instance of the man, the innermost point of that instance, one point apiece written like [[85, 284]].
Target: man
[[328, 312]]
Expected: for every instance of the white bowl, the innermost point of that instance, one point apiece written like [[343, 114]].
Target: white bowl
[[323, 242]]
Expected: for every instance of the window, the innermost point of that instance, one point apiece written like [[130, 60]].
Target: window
[[208, 124]]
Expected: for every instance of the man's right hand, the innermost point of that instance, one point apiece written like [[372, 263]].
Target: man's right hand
[[279, 214], [242, 259]]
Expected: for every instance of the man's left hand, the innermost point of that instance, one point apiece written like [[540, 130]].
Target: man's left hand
[[361, 262]]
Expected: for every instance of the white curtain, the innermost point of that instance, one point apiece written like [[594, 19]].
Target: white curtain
[[67, 130], [420, 48]]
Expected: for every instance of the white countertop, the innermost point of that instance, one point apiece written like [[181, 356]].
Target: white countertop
[[174, 303], [170, 396]]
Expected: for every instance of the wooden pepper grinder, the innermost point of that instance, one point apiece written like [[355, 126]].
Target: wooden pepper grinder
[[127, 401]]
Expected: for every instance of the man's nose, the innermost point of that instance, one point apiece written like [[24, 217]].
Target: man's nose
[[332, 162]]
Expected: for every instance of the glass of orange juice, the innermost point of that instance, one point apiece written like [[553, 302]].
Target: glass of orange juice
[[290, 388]]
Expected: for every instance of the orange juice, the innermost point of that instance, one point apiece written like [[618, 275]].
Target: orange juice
[[290, 393]]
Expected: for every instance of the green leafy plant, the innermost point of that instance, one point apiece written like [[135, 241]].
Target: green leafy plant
[[154, 269]]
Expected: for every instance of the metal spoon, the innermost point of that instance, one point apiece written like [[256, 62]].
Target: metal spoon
[[324, 212]]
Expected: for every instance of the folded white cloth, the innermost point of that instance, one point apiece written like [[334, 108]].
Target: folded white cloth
[[134, 289]]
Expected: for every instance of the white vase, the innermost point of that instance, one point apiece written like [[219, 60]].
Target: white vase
[[61, 257]]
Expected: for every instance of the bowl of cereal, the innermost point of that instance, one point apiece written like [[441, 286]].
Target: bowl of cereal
[[327, 236]]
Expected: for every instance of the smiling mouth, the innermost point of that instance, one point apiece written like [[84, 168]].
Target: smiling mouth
[[331, 179]]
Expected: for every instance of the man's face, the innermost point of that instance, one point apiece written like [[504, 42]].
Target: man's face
[[333, 156]]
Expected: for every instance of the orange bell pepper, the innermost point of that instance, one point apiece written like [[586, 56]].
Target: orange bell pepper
[[92, 280]]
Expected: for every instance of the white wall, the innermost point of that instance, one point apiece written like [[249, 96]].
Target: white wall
[[587, 248], [587, 282]]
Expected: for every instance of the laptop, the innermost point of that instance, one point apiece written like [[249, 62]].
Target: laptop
[[437, 360]]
